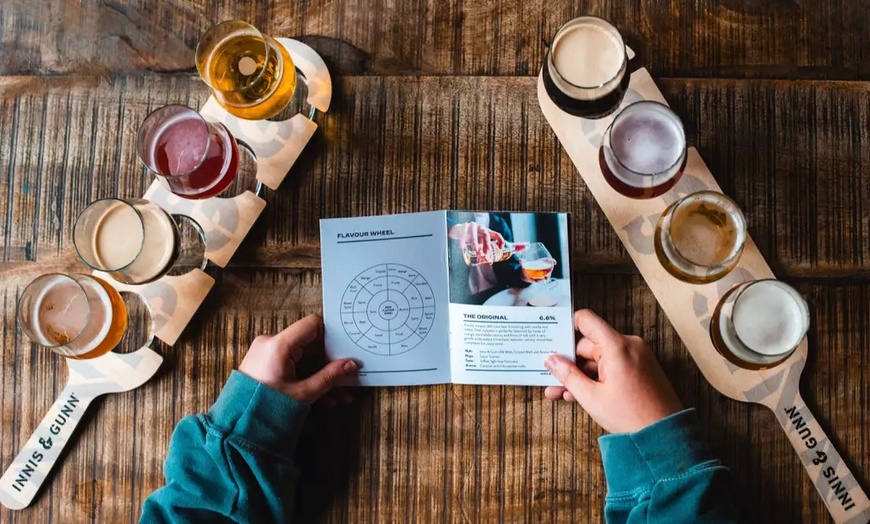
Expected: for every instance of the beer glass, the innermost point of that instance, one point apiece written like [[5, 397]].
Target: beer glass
[[251, 74], [135, 241], [584, 71], [537, 265], [759, 324], [194, 158], [643, 152], [77, 316], [700, 237]]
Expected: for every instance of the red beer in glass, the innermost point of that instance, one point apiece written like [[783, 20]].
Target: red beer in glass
[[195, 158]]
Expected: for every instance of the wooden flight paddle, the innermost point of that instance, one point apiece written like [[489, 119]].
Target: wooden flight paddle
[[88, 379], [690, 307], [173, 299]]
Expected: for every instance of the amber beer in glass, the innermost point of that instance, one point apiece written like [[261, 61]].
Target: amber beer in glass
[[643, 152], [77, 316], [759, 324], [251, 74], [585, 70], [700, 237]]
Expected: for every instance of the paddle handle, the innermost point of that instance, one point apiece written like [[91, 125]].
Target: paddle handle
[[22, 480], [846, 501]]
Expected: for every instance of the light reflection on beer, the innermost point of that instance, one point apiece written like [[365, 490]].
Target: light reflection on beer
[[758, 325]]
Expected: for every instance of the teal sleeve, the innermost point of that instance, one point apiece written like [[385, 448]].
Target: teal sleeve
[[234, 463], [665, 473]]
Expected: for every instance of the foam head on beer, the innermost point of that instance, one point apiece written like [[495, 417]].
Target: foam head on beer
[[136, 241], [770, 317], [588, 53], [648, 138], [74, 316]]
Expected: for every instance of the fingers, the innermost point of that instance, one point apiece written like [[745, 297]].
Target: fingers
[[588, 350], [553, 392], [297, 335], [595, 328], [318, 384], [570, 376], [558, 393], [457, 232], [497, 238]]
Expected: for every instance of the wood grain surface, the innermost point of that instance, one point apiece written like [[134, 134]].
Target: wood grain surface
[[435, 108]]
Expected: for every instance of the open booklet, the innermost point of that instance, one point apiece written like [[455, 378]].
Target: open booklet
[[448, 296]]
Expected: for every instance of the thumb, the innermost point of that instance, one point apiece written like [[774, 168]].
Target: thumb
[[318, 384], [570, 376]]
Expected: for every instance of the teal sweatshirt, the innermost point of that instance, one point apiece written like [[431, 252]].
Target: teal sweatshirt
[[234, 464]]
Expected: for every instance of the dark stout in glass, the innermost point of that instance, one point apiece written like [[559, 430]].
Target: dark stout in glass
[[584, 72]]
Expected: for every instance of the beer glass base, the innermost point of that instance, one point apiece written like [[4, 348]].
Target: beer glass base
[[191, 247], [590, 110], [298, 104], [637, 193], [140, 324], [246, 176]]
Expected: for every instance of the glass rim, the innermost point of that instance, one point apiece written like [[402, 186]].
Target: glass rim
[[536, 246], [139, 137], [798, 299], [552, 66], [74, 278], [138, 252], [607, 137], [740, 243], [260, 70]]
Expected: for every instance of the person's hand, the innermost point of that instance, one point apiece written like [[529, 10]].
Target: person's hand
[[619, 381], [273, 360], [478, 238]]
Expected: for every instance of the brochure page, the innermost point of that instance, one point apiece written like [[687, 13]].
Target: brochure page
[[510, 296], [385, 297]]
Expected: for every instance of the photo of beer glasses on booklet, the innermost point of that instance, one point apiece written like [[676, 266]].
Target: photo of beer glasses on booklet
[[488, 269]]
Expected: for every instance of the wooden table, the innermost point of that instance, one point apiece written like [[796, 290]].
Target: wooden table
[[435, 108]]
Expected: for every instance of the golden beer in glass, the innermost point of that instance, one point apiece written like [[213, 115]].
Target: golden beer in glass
[[251, 74]]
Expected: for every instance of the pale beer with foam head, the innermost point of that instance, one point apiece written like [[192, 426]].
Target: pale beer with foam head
[[584, 72], [643, 152], [135, 241], [759, 324]]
